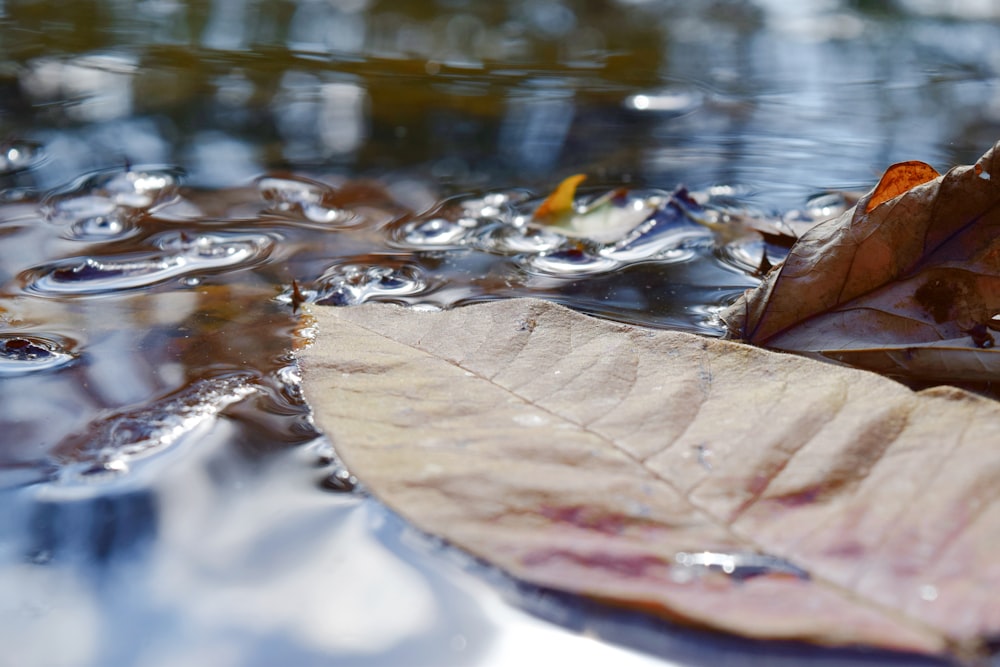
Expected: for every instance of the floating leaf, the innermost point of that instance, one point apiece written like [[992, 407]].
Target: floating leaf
[[561, 202], [710, 482], [915, 263], [606, 219]]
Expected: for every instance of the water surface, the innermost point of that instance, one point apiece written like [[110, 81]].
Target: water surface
[[168, 170]]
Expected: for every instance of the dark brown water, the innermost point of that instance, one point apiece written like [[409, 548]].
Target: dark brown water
[[168, 169]]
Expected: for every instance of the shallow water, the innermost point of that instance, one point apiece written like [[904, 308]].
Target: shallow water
[[168, 171]]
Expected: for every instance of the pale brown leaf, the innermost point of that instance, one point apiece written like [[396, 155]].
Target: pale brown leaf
[[710, 482]]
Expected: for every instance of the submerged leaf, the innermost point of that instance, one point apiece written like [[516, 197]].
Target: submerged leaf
[[713, 483], [915, 263]]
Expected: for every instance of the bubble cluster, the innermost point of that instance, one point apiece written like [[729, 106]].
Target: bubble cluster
[[625, 229], [115, 235]]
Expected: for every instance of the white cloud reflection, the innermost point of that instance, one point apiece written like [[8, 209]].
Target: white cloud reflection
[[254, 569], [343, 114], [320, 119], [92, 87]]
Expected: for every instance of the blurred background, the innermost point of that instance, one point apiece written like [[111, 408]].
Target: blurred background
[[782, 97]]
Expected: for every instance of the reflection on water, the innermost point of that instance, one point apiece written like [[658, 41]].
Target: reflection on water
[[169, 170], [786, 98]]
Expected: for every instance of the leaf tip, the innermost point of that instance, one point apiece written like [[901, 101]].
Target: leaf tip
[[560, 202], [899, 178]]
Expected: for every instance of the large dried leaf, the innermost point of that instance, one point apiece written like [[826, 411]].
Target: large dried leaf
[[915, 265], [711, 482]]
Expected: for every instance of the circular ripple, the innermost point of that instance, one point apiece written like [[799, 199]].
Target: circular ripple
[[351, 284], [569, 264], [21, 354], [181, 255], [304, 200]]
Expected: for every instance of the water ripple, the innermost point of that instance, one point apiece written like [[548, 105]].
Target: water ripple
[[352, 284], [19, 154], [111, 445], [106, 205], [181, 255], [22, 354], [305, 200]]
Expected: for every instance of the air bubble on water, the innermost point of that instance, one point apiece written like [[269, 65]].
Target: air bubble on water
[[329, 215], [287, 192], [226, 248], [746, 254], [101, 227], [324, 451], [41, 557], [438, 233], [112, 445], [498, 205], [103, 471], [88, 216], [18, 155], [22, 354], [290, 384], [826, 205], [135, 188], [569, 263], [669, 102], [462, 221], [105, 205], [340, 480], [306, 199], [665, 236], [707, 316], [184, 255], [322, 454], [504, 239], [819, 208], [128, 187], [288, 298], [90, 275], [352, 284]]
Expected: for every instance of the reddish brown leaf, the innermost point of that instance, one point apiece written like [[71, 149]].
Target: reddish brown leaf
[[923, 269], [899, 178]]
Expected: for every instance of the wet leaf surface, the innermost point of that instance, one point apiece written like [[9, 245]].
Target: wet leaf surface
[[713, 483], [907, 282]]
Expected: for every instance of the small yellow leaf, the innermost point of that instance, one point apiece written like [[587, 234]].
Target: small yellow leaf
[[560, 202], [900, 178]]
